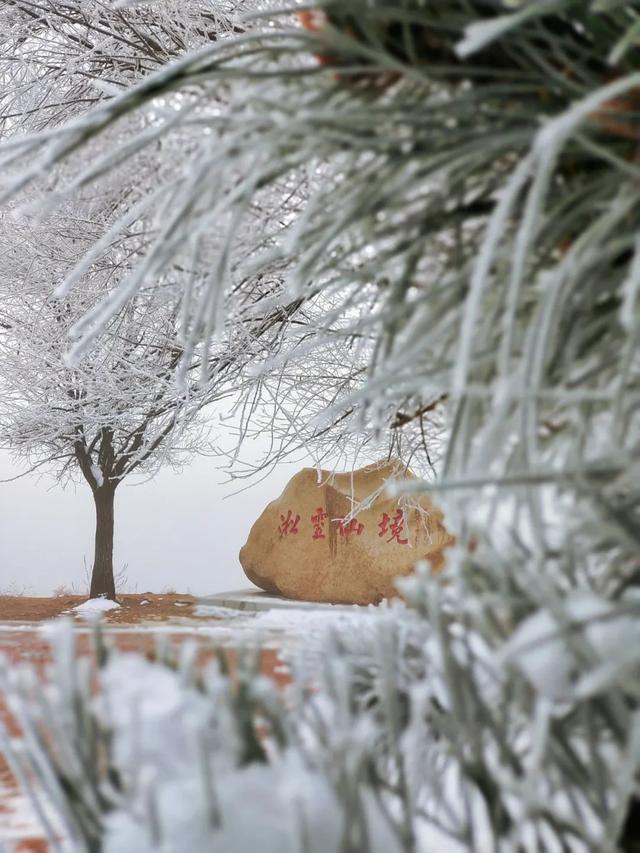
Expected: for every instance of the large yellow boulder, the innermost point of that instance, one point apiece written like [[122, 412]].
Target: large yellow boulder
[[304, 545]]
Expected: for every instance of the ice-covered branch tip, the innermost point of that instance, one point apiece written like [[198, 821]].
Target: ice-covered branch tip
[[481, 33]]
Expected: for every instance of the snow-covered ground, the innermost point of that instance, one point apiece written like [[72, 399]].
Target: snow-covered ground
[[17, 820], [278, 629]]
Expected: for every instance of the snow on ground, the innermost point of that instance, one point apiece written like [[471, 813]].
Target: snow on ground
[[95, 606], [18, 820], [271, 629], [284, 630]]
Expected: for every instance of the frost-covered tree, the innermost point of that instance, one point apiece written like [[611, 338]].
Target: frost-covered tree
[[231, 194], [57, 60], [456, 238], [133, 402], [118, 413]]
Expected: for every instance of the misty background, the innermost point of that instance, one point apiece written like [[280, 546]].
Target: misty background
[[179, 531]]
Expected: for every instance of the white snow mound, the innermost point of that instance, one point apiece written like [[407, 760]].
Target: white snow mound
[[95, 606]]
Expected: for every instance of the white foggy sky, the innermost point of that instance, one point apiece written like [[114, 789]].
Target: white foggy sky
[[175, 532]]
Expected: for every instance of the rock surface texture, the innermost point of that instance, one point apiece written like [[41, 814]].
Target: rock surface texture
[[304, 545]]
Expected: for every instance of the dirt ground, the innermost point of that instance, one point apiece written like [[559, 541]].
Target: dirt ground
[[146, 607]]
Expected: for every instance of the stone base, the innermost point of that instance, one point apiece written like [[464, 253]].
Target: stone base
[[255, 599]]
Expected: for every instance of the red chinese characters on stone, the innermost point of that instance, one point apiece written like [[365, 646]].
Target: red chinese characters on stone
[[288, 524], [394, 526], [317, 520], [350, 528]]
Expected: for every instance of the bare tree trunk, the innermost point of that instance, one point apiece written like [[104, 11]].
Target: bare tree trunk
[[102, 580]]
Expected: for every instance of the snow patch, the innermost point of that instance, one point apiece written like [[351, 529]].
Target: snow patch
[[540, 650], [19, 819], [94, 606], [97, 475]]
